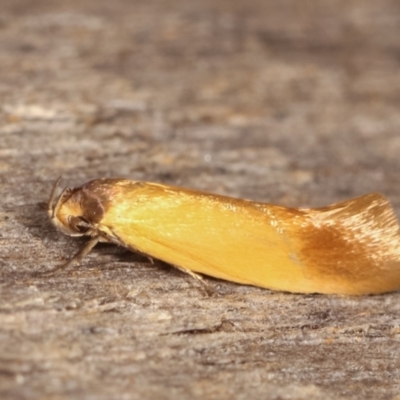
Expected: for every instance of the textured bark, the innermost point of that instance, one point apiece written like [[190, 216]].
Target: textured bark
[[290, 102]]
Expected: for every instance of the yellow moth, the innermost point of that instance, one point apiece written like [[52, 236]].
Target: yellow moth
[[351, 247]]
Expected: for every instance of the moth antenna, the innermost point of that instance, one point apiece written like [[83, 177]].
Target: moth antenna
[[50, 204]]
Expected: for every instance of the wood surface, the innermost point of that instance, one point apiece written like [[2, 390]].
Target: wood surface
[[295, 103]]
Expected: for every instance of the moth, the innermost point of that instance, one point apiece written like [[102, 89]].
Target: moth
[[352, 247]]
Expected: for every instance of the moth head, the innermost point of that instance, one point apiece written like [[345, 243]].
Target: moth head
[[72, 213]]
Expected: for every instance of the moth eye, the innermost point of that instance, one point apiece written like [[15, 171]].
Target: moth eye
[[79, 224]]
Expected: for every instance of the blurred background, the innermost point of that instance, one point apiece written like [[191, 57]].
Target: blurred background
[[275, 100], [291, 102]]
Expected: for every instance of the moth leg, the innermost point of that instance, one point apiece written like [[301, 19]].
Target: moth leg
[[209, 290], [151, 260], [79, 256]]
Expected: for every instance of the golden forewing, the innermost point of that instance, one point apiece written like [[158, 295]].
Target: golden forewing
[[255, 243]]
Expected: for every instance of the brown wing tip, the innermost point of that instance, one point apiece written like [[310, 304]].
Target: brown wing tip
[[354, 246]]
